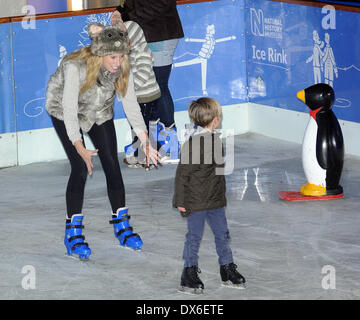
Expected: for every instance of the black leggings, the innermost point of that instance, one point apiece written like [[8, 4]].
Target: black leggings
[[147, 111], [104, 139]]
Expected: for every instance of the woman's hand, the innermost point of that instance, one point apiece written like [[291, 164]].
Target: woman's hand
[[152, 155], [85, 154]]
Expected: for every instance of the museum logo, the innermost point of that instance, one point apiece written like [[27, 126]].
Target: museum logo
[[261, 26]]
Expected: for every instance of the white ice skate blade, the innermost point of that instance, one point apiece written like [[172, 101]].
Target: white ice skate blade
[[166, 160], [229, 284], [128, 248], [76, 257], [134, 166], [191, 291]]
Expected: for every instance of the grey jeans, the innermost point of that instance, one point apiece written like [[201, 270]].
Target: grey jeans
[[163, 51]]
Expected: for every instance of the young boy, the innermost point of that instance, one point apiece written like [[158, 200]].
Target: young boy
[[200, 196]]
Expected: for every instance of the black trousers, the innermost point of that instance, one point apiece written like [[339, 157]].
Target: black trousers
[[104, 139], [165, 104], [149, 113]]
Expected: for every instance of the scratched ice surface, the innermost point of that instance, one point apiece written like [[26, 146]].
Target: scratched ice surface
[[307, 250]]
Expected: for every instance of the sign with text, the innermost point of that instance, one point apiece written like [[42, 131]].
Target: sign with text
[[290, 47]]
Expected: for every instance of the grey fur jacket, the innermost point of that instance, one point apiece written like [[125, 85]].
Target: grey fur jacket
[[95, 105]]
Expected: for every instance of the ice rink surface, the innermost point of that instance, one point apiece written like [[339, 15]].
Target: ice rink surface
[[285, 250]]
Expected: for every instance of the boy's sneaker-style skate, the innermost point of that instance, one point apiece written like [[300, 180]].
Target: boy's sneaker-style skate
[[74, 240], [190, 281], [123, 231], [231, 277]]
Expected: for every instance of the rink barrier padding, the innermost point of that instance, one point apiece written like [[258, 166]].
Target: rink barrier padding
[[37, 52], [226, 55]]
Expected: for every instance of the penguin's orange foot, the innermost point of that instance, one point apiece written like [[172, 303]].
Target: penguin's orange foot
[[313, 190]]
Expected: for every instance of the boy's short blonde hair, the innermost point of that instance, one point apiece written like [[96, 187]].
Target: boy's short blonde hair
[[203, 110]]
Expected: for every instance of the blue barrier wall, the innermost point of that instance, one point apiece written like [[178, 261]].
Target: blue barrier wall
[[290, 47], [211, 59], [204, 61], [7, 117], [267, 64]]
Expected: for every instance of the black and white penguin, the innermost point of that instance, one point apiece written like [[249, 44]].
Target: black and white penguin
[[323, 143]]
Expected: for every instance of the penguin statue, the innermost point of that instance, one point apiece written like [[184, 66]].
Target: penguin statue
[[322, 148], [323, 144]]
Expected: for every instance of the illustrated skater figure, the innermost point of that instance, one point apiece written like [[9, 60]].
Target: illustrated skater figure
[[80, 98], [147, 89], [316, 57], [328, 60], [200, 195], [162, 28], [204, 54]]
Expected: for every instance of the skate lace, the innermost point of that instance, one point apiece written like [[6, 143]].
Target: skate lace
[[233, 267], [232, 270], [194, 273]]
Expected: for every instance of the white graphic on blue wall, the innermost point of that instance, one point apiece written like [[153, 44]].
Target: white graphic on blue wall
[[62, 53], [323, 60], [261, 26], [325, 68], [103, 18], [34, 107], [203, 55]]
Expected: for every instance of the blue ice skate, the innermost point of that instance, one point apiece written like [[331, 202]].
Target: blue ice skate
[[123, 230], [130, 159], [155, 127], [131, 148], [74, 240]]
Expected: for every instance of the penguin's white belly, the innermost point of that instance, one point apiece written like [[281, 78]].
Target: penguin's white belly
[[313, 172]]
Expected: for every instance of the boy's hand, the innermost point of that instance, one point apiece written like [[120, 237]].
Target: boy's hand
[[183, 212]]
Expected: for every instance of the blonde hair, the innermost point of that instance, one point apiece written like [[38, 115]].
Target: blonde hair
[[203, 110], [122, 82], [93, 65]]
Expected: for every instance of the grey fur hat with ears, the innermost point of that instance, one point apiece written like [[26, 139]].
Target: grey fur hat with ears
[[106, 40]]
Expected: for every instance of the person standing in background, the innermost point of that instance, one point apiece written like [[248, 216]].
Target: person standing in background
[[146, 87], [162, 27]]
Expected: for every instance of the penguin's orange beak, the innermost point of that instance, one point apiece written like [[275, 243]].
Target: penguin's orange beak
[[301, 95]]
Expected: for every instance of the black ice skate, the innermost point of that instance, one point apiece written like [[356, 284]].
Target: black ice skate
[[190, 281], [231, 277]]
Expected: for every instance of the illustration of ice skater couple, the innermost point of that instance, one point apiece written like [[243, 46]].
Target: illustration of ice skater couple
[[323, 60]]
